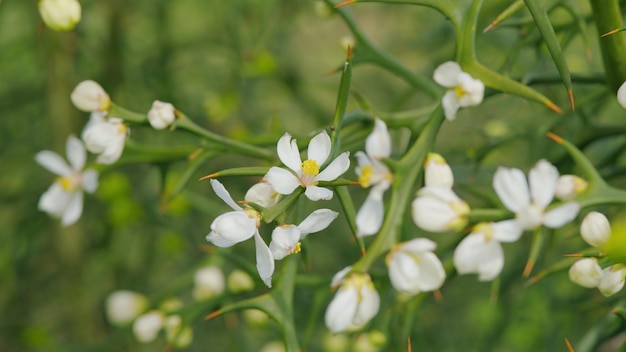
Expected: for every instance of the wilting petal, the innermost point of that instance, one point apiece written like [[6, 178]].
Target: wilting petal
[[283, 181], [335, 169], [542, 179], [378, 143], [223, 194], [319, 148], [561, 215], [53, 162], [476, 254], [76, 153], [447, 74], [288, 152], [315, 193], [512, 189], [264, 260], [316, 221]]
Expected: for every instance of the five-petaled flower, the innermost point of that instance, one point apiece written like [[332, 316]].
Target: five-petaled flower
[[463, 89], [286, 238], [354, 304], [414, 268], [64, 198], [373, 173], [307, 174]]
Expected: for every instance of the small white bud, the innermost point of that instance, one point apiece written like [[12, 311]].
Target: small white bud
[[147, 327], [595, 229], [586, 272], [176, 333], [239, 281], [437, 172], [60, 15], [570, 186], [161, 115], [208, 283], [89, 96], [122, 307]]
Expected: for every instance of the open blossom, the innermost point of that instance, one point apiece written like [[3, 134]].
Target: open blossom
[[240, 225], [106, 137], [373, 173], [307, 174], [60, 15], [263, 194], [122, 307], [463, 89], [89, 96], [161, 115], [286, 238], [414, 268], [529, 200], [64, 199], [355, 303], [439, 209], [481, 253]]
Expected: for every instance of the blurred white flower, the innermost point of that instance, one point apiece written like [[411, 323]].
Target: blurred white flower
[[106, 137], [595, 229], [355, 303], [439, 209], [161, 115], [176, 333], [373, 173], [414, 268], [274, 346], [263, 194], [239, 281], [437, 172], [621, 95], [569, 187], [586, 272], [89, 96], [208, 282], [306, 174], [147, 326], [529, 203], [463, 89], [60, 15], [286, 238], [481, 253], [122, 307], [612, 280], [64, 198]]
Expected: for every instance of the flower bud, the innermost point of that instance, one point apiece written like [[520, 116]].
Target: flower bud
[[335, 342], [239, 281], [621, 95], [147, 327], [414, 268], [586, 272], [176, 333], [255, 317], [122, 307], [274, 346], [595, 229], [355, 303], [106, 138], [170, 305], [439, 209], [437, 172], [262, 194], [89, 96], [208, 283], [612, 280], [161, 115], [60, 15], [570, 186], [370, 342]]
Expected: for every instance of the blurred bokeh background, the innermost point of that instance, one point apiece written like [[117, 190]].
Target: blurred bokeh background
[[252, 69]]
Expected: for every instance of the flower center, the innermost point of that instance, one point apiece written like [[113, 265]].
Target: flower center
[[531, 217], [254, 214], [310, 169], [366, 175], [297, 248], [66, 182], [460, 92]]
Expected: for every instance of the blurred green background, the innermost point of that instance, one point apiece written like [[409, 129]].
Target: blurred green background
[[252, 69]]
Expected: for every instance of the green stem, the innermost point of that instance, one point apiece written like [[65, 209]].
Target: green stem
[[607, 16], [127, 115]]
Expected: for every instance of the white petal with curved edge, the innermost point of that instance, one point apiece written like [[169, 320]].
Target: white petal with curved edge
[[223, 194], [335, 169], [432, 273], [612, 281], [378, 143], [362, 159], [283, 181], [76, 153], [90, 180], [319, 148], [54, 200], [338, 277], [264, 260], [370, 217], [218, 240], [586, 272], [288, 152], [447, 74], [316, 221], [53, 162], [234, 226], [368, 306], [432, 214], [284, 240], [506, 231], [315, 193], [341, 309], [74, 209], [561, 215], [418, 245], [543, 179], [512, 189], [450, 104], [404, 273], [474, 255], [621, 95]]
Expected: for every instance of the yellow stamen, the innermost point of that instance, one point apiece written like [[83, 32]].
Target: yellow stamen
[[66, 182], [310, 167], [459, 91], [297, 248], [366, 175], [254, 214]]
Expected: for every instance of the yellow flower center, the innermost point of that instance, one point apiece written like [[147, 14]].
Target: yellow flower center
[[366, 175], [122, 129], [297, 248], [66, 182], [460, 92], [310, 168], [254, 214]]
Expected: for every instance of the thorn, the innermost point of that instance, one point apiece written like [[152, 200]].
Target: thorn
[[363, 252], [347, 2], [527, 269], [609, 33], [554, 137], [491, 26], [533, 279], [195, 154], [438, 296], [213, 175], [206, 248], [550, 105], [569, 345], [408, 343], [573, 255], [570, 94], [349, 56], [354, 183], [213, 315]]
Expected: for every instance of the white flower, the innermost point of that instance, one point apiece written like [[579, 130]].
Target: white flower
[[176, 333], [147, 326], [161, 115], [586, 272], [480, 252], [375, 174], [437, 172], [621, 95], [64, 199], [464, 90], [414, 268], [237, 226], [105, 137], [569, 187], [355, 303], [439, 209], [595, 229], [263, 194], [529, 204], [122, 307], [286, 238], [89, 96], [60, 15], [612, 280], [208, 282], [307, 174]]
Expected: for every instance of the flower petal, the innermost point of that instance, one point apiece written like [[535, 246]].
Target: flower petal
[[450, 104], [447, 74], [621, 95], [53, 162], [561, 215], [315, 193], [54, 200], [335, 169], [288, 152], [316, 221], [218, 240], [368, 305], [432, 273], [476, 255], [74, 209], [417, 246], [284, 241], [76, 153], [223, 194], [370, 217], [506, 231], [342, 309], [264, 260], [235, 226], [90, 180], [319, 148], [378, 143], [283, 181], [542, 179], [512, 189]]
